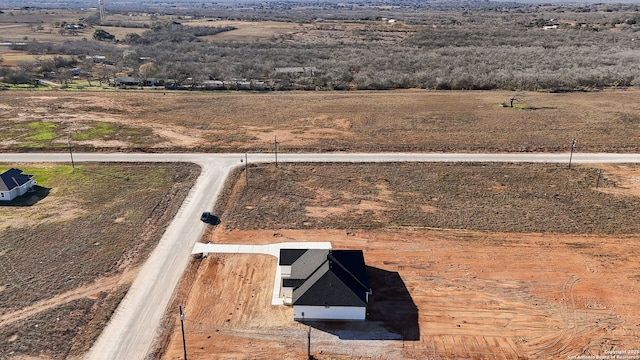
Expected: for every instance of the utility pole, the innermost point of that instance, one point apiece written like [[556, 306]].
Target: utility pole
[[309, 344], [73, 166], [573, 147], [246, 170], [275, 148], [308, 339], [101, 8], [184, 343]]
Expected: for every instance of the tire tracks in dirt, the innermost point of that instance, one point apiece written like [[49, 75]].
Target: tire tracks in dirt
[[107, 284], [571, 321]]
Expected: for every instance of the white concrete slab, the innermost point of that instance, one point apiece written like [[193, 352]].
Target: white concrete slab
[[267, 249]]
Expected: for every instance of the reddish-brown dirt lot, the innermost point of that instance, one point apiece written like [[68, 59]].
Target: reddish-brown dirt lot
[[451, 294], [439, 293]]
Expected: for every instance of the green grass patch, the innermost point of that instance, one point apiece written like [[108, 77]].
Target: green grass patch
[[32, 145], [50, 176], [99, 130], [52, 135], [42, 131]]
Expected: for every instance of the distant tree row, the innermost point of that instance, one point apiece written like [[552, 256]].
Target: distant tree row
[[479, 49]]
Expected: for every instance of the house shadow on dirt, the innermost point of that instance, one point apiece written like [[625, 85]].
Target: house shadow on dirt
[[391, 314], [30, 198]]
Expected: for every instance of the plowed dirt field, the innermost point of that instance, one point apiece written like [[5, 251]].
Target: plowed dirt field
[[494, 290], [437, 294]]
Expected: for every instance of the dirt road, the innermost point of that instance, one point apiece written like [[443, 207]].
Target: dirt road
[[134, 326]]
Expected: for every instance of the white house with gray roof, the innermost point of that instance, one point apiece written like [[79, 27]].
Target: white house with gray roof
[[325, 284], [14, 183]]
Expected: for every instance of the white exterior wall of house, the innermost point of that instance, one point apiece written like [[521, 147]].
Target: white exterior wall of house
[[285, 270], [11, 194], [26, 187], [6, 195], [329, 312], [17, 191]]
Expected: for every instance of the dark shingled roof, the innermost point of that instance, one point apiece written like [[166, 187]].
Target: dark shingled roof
[[308, 263], [12, 179], [292, 283], [339, 279], [289, 256]]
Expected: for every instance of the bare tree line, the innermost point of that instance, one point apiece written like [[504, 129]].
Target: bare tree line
[[469, 49]]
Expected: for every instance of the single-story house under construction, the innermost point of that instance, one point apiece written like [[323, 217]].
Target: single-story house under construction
[[14, 183], [325, 284]]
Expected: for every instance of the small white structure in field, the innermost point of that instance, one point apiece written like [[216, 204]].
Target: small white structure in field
[[325, 284], [14, 183]]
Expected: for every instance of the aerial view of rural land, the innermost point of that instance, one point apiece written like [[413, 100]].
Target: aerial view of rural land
[[321, 179]]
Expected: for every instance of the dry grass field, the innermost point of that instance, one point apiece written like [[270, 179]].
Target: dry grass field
[[69, 252], [22, 25], [406, 120], [309, 33], [445, 286], [249, 31], [518, 198]]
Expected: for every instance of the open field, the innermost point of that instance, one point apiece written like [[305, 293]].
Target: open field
[[250, 31], [68, 257], [515, 198], [404, 120], [309, 33], [41, 25], [442, 289]]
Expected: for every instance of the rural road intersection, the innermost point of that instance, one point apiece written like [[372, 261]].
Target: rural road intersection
[[135, 324]]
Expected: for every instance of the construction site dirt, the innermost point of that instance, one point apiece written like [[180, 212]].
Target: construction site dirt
[[438, 293]]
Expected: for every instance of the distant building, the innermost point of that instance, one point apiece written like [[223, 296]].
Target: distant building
[[74, 26], [213, 85], [14, 183], [325, 284], [296, 70], [96, 58], [127, 81]]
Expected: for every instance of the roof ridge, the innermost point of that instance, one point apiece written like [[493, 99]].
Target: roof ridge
[[330, 257], [302, 286]]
